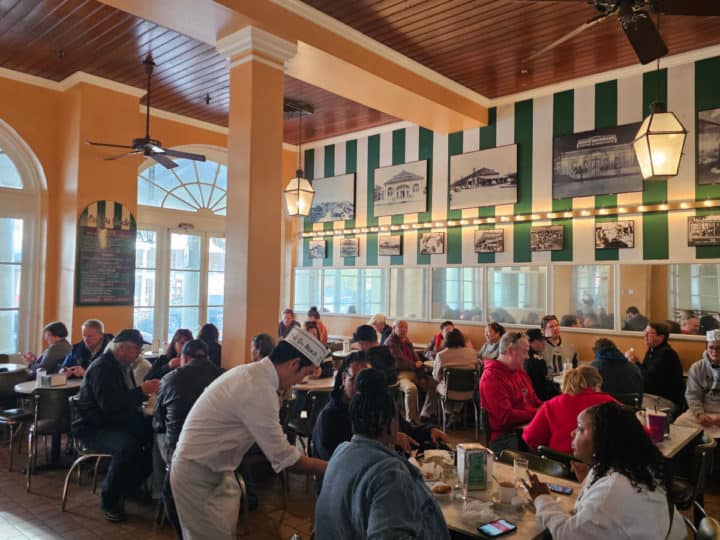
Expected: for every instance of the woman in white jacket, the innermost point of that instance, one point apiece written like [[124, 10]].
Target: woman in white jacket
[[622, 474]]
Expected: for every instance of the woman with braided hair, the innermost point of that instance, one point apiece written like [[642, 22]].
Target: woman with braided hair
[[624, 486], [369, 491]]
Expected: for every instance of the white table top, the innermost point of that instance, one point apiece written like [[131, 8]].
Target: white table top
[[316, 385], [343, 354], [524, 518], [28, 386], [11, 368], [680, 437]]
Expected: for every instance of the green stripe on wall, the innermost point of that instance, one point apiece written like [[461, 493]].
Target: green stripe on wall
[[563, 124], [398, 158], [488, 139], [655, 224], [328, 171], [454, 234], [309, 163], [350, 167], [707, 96], [606, 99], [523, 138], [373, 162], [425, 151]]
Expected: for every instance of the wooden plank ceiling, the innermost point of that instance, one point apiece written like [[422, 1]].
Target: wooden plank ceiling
[[55, 38], [478, 43], [481, 43]]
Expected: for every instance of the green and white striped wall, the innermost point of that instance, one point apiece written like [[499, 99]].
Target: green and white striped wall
[[531, 124]]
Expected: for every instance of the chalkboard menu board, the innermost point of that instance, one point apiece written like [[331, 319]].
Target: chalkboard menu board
[[105, 269]]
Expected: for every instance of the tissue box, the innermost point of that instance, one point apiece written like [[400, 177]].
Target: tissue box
[[53, 380], [472, 466]]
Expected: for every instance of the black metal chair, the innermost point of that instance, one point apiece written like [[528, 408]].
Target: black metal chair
[[536, 463], [302, 421], [631, 399], [14, 418], [459, 385], [708, 527], [86, 454], [689, 492], [51, 416]]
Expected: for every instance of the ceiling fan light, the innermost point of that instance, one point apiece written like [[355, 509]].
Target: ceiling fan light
[[299, 195], [659, 143], [157, 149]]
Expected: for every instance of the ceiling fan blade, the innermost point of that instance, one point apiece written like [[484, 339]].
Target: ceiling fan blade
[[126, 154], [92, 143], [589, 24], [184, 155], [645, 38], [163, 160], [703, 8]]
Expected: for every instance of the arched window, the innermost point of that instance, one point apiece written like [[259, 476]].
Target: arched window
[[180, 248], [21, 183]]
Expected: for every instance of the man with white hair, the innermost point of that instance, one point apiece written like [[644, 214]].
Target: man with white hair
[[703, 390], [379, 323], [93, 343], [238, 409]]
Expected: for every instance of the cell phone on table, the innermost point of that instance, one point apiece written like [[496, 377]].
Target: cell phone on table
[[499, 527], [563, 490]]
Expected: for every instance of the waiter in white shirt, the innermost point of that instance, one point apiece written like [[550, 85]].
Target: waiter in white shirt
[[239, 408]]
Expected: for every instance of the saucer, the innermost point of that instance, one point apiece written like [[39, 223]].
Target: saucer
[[516, 507]]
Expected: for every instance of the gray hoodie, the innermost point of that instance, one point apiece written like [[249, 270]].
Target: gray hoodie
[[703, 387]]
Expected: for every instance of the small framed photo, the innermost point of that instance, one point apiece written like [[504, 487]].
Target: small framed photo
[[432, 243], [492, 241], [349, 247], [316, 249], [390, 244], [616, 234], [547, 238], [704, 231]]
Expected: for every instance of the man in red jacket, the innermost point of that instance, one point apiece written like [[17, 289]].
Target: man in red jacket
[[506, 392]]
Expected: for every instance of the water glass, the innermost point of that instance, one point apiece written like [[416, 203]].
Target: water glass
[[520, 469]]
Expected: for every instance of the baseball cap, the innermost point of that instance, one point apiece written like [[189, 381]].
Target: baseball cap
[[307, 345], [365, 332], [533, 334], [130, 335]]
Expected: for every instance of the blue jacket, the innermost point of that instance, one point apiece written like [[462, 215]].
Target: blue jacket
[[369, 492], [619, 375], [80, 355]]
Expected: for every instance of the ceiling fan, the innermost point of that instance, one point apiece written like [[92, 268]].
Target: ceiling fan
[[146, 145], [634, 18]]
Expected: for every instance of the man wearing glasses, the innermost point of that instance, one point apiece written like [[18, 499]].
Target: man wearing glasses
[[703, 390]]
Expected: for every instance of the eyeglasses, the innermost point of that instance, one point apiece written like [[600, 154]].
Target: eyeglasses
[[713, 347]]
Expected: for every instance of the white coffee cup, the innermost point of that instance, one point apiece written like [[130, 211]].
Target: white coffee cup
[[506, 491]]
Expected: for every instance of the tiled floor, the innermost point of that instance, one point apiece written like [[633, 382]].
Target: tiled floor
[[37, 514]]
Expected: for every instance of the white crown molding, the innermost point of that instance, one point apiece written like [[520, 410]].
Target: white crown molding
[[82, 77], [343, 30], [180, 119], [260, 59], [619, 73], [254, 39], [29, 79], [290, 147]]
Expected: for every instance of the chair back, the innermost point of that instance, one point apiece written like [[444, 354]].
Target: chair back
[[700, 466], [536, 463], [709, 529], [484, 427], [304, 422], [52, 411], [8, 380], [4, 358], [460, 383], [631, 399]]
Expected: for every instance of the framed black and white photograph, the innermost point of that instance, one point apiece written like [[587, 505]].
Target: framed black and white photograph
[[616, 234], [492, 241], [390, 244], [547, 238], [401, 189], [431, 243], [704, 231], [599, 162], [349, 247], [316, 249], [708, 147], [483, 178], [334, 198]]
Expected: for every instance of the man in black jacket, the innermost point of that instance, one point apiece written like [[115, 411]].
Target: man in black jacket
[[179, 390], [109, 420], [660, 367], [93, 343]]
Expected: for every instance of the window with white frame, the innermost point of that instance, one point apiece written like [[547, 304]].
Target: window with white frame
[[180, 250], [457, 293], [21, 181]]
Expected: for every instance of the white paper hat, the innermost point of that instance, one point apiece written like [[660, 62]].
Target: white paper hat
[[713, 335], [307, 345]]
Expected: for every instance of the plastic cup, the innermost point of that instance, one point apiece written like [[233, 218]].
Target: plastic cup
[[520, 469], [656, 422]]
